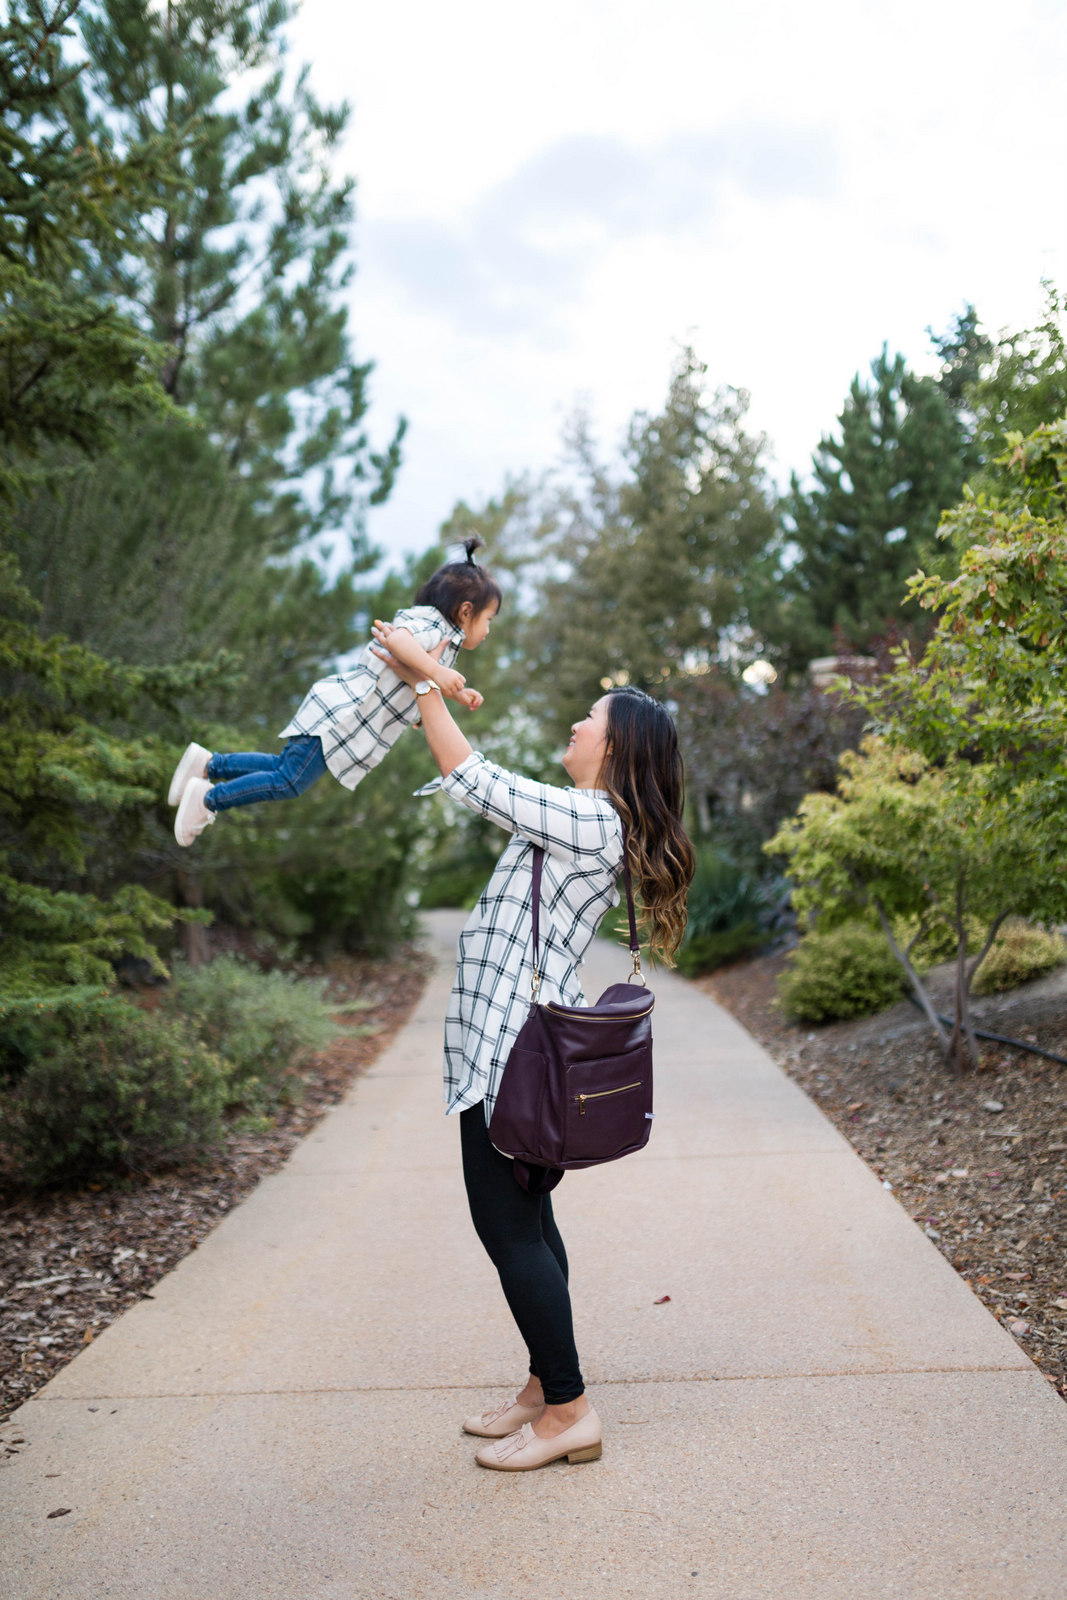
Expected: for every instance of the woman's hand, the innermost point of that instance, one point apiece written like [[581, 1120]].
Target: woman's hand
[[409, 675]]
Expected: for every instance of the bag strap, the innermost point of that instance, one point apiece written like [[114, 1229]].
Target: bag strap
[[538, 868]]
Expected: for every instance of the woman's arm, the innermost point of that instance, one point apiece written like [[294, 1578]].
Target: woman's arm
[[404, 647], [568, 823], [447, 745]]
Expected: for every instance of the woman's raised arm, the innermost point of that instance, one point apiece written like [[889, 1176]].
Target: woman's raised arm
[[447, 744]]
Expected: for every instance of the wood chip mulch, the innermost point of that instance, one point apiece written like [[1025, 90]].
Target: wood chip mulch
[[71, 1263], [978, 1159]]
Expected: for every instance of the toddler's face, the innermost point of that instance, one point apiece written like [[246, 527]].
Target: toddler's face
[[477, 629]]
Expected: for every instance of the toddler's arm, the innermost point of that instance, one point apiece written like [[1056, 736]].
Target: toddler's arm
[[402, 644]]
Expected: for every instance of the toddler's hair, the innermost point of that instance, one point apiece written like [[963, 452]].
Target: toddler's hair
[[459, 581]]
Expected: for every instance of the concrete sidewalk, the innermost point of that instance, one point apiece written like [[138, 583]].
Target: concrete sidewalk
[[822, 1410]]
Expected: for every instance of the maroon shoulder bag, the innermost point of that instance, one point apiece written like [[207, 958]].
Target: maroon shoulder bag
[[577, 1085]]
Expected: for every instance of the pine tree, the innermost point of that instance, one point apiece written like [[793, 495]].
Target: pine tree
[[72, 369], [239, 268], [75, 371], [654, 566], [206, 530], [870, 519]]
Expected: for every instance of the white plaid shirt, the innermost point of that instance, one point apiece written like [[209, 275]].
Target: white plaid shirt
[[360, 714], [580, 832]]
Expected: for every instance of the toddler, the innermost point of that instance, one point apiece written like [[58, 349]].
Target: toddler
[[348, 722]]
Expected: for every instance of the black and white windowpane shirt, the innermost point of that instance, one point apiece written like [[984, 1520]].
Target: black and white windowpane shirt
[[580, 832], [360, 714]]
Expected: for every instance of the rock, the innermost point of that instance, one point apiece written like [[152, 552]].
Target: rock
[[992, 1105], [1018, 1327]]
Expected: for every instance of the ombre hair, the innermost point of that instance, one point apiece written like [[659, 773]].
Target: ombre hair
[[644, 775]]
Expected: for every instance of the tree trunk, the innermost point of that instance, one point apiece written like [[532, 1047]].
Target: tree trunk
[[194, 939], [965, 979], [917, 985]]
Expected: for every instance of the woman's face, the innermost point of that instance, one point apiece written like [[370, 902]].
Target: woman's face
[[588, 746]]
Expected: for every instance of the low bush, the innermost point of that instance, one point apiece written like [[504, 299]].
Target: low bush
[[263, 1024], [115, 1092], [1020, 952], [725, 907], [842, 972]]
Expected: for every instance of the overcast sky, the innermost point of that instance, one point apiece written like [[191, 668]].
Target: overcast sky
[[552, 198]]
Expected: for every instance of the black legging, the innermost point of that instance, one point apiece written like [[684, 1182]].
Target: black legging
[[520, 1235]]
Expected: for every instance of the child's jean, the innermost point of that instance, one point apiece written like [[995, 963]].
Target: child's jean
[[244, 778]]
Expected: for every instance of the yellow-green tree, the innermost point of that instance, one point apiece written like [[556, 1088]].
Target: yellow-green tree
[[955, 810]]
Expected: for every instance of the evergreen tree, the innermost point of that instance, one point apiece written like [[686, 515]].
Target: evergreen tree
[[239, 268], [851, 541], [75, 370], [208, 528], [647, 577], [72, 368]]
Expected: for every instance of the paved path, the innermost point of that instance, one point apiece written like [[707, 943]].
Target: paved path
[[823, 1410]]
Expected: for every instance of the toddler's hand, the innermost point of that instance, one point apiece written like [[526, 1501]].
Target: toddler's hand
[[450, 682], [471, 699]]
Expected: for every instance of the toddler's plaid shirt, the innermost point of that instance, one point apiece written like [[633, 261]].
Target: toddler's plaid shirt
[[360, 714]]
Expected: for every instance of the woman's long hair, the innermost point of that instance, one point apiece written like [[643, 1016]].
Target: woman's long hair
[[644, 776]]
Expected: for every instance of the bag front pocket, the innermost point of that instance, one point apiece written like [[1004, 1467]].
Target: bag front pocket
[[607, 1109]]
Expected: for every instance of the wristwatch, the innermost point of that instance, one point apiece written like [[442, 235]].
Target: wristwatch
[[424, 686]]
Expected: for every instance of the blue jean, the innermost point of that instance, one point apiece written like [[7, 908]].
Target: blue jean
[[247, 776]]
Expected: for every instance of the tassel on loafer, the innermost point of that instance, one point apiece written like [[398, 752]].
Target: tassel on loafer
[[522, 1451], [502, 1420]]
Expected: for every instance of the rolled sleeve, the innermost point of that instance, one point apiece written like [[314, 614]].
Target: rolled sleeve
[[567, 823]]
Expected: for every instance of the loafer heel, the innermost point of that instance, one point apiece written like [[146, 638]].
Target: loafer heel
[[594, 1453], [522, 1450]]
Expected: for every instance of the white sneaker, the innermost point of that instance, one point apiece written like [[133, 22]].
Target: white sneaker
[[193, 815], [193, 764]]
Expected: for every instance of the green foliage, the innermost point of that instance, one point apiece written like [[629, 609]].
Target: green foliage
[[68, 776], [870, 518], [262, 1024], [177, 186], [113, 1093], [840, 972], [646, 575], [73, 368], [1022, 386], [750, 758], [1019, 952], [725, 906], [241, 268], [956, 810]]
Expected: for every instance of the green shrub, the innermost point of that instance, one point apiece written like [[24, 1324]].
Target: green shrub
[[724, 909], [1020, 952], [119, 1091], [263, 1024], [847, 971], [703, 952]]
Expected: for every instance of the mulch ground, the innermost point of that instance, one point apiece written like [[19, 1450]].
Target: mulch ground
[[71, 1263], [978, 1159]]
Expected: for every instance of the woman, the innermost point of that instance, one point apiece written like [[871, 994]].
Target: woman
[[626, 769]]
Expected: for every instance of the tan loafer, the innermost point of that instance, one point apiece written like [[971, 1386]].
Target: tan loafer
[[193, 815], [193, 764], [502, 1420], [522, 1451]]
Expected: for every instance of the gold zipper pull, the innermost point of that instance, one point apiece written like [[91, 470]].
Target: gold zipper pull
[[581, 1105]]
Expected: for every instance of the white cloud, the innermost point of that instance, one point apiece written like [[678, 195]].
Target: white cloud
[[551, 199]]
